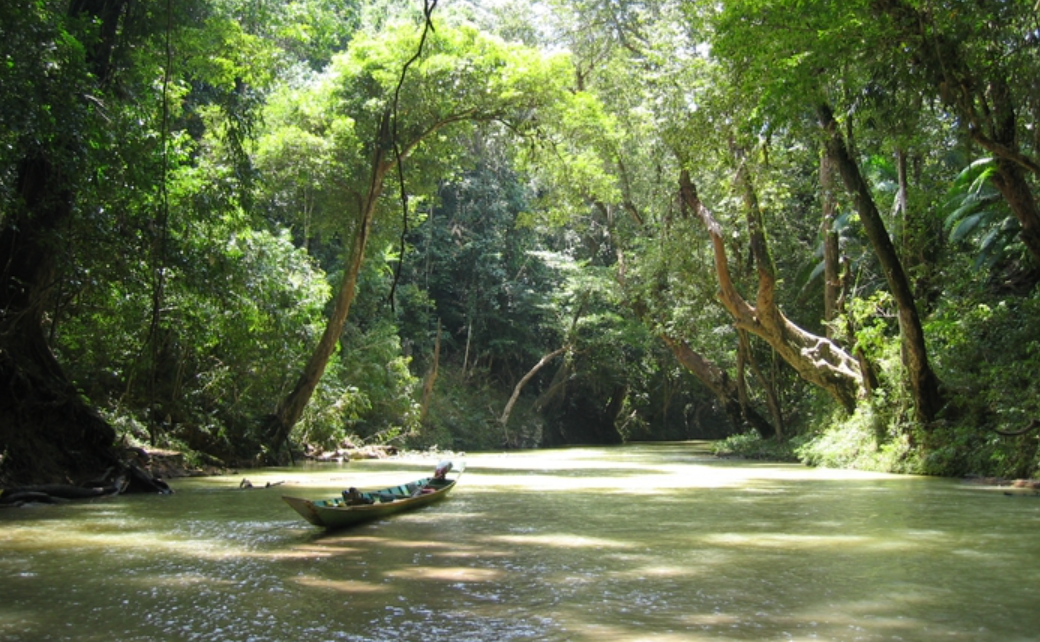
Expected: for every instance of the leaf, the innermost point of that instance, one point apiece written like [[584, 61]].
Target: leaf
[[965, 226]]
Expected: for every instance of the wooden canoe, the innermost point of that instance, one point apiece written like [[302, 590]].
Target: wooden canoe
[[338, 512]]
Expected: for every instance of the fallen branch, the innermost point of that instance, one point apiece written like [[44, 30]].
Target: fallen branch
[[1033, 425], [520, 385]]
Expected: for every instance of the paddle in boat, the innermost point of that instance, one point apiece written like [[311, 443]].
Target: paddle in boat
[[356, 506]]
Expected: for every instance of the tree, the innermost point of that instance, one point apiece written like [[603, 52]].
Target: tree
[[814, 76], [123, 125], [71, 63], [969, 59], [815, 358], [923, 382], [399, 106]]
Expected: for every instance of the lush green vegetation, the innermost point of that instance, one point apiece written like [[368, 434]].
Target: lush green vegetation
[[243, 228]]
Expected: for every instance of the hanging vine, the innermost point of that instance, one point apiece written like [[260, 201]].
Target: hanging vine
[[429, 6]]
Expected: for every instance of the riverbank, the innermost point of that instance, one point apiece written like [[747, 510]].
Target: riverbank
[[794, 450]]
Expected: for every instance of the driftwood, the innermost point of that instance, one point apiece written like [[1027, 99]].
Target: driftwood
[[22, 497], [68, 492], [129, 478], [245, 484], [140, 480], [53, 493]]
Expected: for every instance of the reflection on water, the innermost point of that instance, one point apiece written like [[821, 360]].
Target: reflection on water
[[640, 542]]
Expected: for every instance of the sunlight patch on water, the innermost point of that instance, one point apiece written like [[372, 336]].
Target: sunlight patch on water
[[639, 479], [185, 580], [343, 586], [311, 551], [448, 574], [475, 553], [788, 541], [69, 535], [659, 572], [560, 540]]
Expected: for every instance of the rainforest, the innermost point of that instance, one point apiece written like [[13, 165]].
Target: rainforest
[[252, 231]]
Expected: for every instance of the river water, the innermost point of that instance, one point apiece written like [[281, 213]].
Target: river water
[[641, 542]]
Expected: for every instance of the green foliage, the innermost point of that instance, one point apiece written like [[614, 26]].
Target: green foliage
[[237, 313], [987, 352], [869, 439], [463, 413], [752, 446], [978, 215], [314, 30], [372, 359]]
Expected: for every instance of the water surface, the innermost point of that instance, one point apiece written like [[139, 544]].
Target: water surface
[[641, 542]]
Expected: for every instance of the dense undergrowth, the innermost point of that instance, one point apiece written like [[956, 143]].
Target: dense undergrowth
[[985, 350]]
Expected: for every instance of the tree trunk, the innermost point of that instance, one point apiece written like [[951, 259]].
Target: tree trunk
[[724, 388], [465, 354], [291, 407], [48, 433], [432, 377], [768, 385], [816, 359], [504, 419], [924, 384], [609, 432], [831, 249]]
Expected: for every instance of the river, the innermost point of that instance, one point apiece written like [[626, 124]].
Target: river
[[639, 542]]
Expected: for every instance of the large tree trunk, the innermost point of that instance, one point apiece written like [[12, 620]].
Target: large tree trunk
[[924, 384], [48, 433], [291, 407], [816, 359], [508, 410]]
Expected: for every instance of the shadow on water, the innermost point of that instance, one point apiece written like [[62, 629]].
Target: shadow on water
[[640, 542]]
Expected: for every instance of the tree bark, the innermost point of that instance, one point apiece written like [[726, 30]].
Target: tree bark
[[816, 359], [504, 419], [924, 384], [723, 387], [432, 377], [831, 248], [47, 431], [768, 385], [291, 407]]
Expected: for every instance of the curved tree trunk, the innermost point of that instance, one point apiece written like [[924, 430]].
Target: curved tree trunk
[[508, 410], [924, 384], [724, 388], [816, 359], [291, 407]]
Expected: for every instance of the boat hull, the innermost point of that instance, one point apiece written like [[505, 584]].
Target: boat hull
[[335, 513]]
